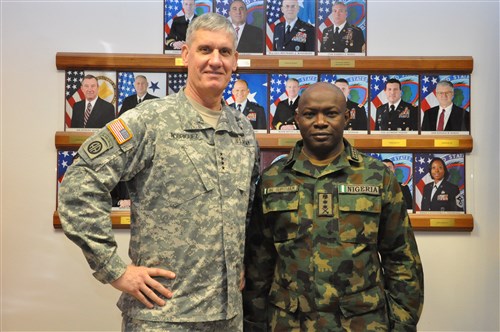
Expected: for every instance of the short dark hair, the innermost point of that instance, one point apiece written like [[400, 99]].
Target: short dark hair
[[388, 161], [393, 80], [446, 172], [341, 80]]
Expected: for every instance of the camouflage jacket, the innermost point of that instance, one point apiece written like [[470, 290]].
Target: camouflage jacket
[[189, 185], [336, 241]]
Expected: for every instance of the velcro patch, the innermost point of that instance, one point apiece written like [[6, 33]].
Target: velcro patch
[[98, 146], [358, 189], [120, 131]]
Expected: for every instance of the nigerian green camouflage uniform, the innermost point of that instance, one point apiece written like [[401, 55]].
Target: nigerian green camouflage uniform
[[189, 185], [331, 249]]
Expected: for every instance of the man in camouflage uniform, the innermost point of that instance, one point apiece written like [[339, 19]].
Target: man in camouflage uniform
[[330, 246], [188, 160]]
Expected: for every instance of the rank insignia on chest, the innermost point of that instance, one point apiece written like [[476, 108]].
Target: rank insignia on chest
[[300, 37], [405, 114], [252, 116], [325, 205]]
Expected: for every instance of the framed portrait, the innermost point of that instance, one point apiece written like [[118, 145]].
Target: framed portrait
[[284, 95], [135, 87], [439, 183], [445, 105], [176, 18], [248, 94], [341, 27], [394, 101], [175, 82], [89, 105], [290, 27], [247, 18], [401, 164], [268, 157], [355, 88]]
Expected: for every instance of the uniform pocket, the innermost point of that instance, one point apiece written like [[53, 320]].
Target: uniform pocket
[[359, 217], [281, 206], [365, 308]]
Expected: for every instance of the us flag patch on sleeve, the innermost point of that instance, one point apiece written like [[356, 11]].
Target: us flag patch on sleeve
[[120, 131]]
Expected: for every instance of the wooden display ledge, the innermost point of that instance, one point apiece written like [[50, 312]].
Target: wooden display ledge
[[420, 222], [272, 63], [71, 140]]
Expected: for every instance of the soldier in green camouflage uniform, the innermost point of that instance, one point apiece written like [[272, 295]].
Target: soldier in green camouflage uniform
[[330, 246], [188, 160]]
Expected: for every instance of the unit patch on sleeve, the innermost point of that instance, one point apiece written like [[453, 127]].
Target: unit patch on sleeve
[[98, 146]]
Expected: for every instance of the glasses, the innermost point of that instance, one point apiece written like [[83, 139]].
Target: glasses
[[446, 93]]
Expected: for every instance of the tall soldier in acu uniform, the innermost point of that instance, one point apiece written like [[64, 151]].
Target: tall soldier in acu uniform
[[330, 246], [188, 160]]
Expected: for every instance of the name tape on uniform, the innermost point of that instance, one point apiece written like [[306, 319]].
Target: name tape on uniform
[[359, 189]]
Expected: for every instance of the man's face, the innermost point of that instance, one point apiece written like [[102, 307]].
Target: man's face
[[437, 170], [344, 87], [240, 91], [141, 86], [292, 89], [238, 13], [210, 59], [321, 118], [393, 92], [339, 13], [390, 166], [188, 6], [444, 95], [90, 88], [290, 9]]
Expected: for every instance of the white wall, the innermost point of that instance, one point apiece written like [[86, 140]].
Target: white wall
[[46, 284]]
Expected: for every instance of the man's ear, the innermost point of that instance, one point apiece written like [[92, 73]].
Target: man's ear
[[184, 54]]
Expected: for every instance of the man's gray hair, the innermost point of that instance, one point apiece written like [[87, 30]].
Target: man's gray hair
[[211, 22]]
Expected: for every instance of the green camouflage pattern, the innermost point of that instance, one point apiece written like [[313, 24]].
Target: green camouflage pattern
[[331, 249], [190, 188]]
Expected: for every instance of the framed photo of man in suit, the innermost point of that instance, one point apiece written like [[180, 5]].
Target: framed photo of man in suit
[[355, 89], [439, 183], [445, 104], [248, 94], [401, 164], [342, 27], [290, 27], [177, 16], [394, 101], [247, 17], [90, 99], [284, 96], [135, 88]]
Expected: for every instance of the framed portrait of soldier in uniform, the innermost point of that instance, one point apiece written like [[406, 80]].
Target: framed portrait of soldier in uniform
[[90, 99], [290, 27], [284, 96], [177, 15], [394, 103], [341, 27], [445, 104], [355, 89], [247, 17], [248, 94], [136, 87], [401, 164], [439, 183]]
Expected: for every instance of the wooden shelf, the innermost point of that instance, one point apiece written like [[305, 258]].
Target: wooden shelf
[[272, 63], [420, 222], [71, 140]]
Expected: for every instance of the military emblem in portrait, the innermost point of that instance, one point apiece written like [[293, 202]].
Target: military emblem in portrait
[[439, 183], [401, 164], [248, 94], [134, 88], [445, 105], [341, 27], [355, 89], [90, 99], [247, 17], [394, 101], [284, 96], [177, 16], [175, 82], [290, 27]]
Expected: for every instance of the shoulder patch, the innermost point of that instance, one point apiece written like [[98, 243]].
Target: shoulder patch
[[120, 131], [98, 146]]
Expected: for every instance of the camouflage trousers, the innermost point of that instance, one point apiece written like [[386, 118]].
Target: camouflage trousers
[[136, 325]]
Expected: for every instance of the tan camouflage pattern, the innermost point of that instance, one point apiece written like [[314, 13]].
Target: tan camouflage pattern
[[189, 185], [331, 249]]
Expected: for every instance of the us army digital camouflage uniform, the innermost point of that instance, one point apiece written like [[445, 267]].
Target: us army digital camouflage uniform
[[189, 185], [331, 249]]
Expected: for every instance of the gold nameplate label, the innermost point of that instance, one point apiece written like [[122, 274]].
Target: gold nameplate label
[[125, 220], [244, 62], [446, 143], [342, 63], [291, 63], [445, 222], [394, 143], [179, 62], [77, 139], [287, 141]]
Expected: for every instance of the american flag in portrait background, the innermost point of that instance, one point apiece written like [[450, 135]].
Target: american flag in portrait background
[[255, 10], [173, 8], [257, 84], [307, 13], [176, 82], [428, 94], [64, 160], [461, 85]]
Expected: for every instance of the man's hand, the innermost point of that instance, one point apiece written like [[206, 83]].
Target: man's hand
[[137, 282]]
